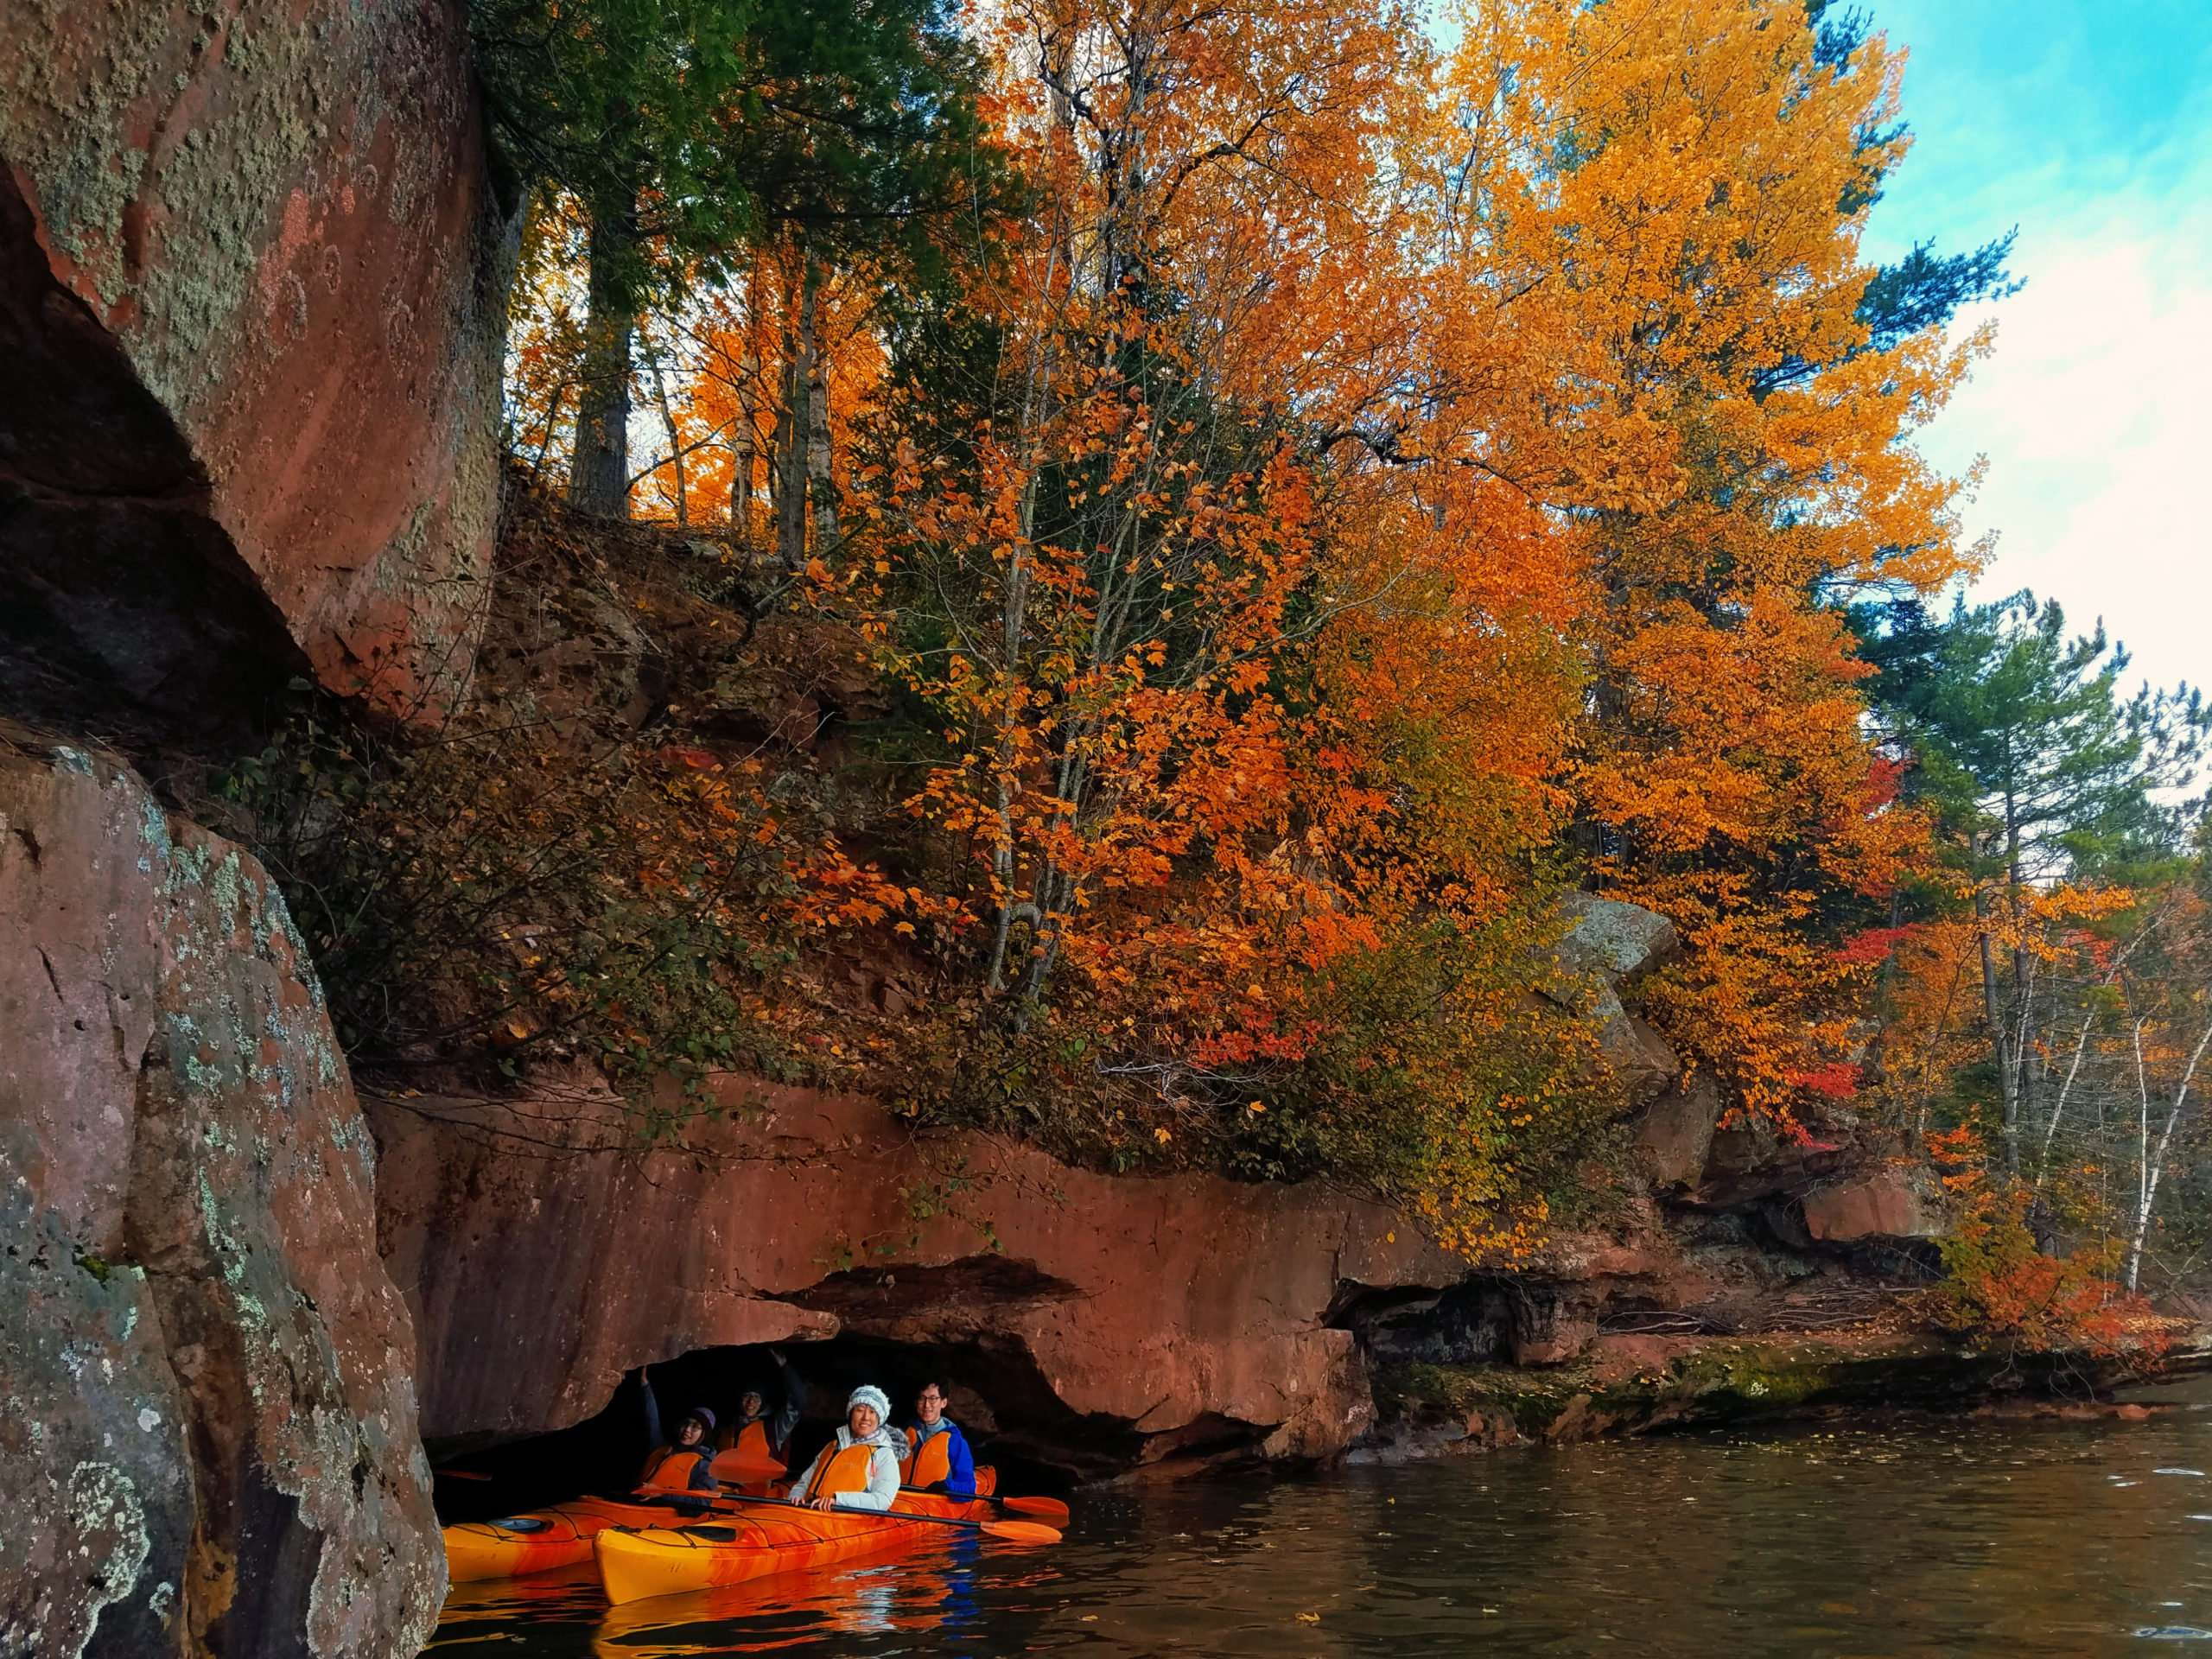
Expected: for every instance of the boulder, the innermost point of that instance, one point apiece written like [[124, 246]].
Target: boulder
[[1674, 1136], [1608, 944], [208, 1437], [1751, 1161], [1638, 1055], [251, 320], [1898, 1201], [1621, 943]]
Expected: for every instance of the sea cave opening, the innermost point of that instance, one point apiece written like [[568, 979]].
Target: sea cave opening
[[993, 1391]]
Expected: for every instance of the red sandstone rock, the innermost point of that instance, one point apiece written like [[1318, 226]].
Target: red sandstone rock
[[1888, 1204], [249, 341], [1674, 1136], [207, 1443], [1176, 1305]]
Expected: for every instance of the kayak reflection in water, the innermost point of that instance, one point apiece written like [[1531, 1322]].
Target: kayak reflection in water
[[683, 1461], [936, 1457], [757, 1434], [858, 1470]]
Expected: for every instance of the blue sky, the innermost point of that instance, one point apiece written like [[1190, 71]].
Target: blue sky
[[2088, 124]]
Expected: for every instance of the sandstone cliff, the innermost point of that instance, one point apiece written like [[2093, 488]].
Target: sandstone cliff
[[250, 327], [208, 1436]]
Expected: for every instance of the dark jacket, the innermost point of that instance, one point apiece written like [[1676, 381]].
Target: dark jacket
[[702, 1477]]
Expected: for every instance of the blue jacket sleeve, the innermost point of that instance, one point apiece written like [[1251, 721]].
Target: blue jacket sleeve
[[960, 1472]]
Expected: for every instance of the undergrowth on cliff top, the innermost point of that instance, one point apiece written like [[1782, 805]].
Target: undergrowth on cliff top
[[654, 860]]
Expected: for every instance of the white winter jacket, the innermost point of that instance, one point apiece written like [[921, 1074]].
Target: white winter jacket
[[882, 1468]]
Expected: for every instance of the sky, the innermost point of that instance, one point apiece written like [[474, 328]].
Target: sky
[[2087, 123]]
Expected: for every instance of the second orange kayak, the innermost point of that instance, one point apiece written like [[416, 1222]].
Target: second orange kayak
[[754, 1541], [543, 1538]]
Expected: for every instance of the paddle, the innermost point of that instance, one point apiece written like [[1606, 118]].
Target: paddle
[[1045, 1509], [743, 1471], [1015, 1532], [462, 1474]]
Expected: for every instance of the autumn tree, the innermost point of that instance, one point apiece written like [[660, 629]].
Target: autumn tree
[[1350, 491], [683, 129], [1688, 210]]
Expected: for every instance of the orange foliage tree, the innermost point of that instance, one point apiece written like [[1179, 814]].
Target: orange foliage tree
[[1695, 238], [1356, 489]]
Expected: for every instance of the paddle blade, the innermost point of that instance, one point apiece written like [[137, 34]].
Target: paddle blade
[[741, 1471], [1045, 1509], [460, 1474], [1019, 1532]]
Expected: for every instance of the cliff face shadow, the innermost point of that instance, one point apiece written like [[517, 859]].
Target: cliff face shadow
[[126, 614]]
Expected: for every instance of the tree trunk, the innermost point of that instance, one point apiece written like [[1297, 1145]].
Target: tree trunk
[[598, 473], [2154, 1165], [820, 488], [674, 445], [1992, 1007], [798, 378], [740, 452]]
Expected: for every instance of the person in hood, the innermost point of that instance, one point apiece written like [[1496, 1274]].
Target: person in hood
[[759, 1435], [858, 1470], [683, 1459], [938, 1459]]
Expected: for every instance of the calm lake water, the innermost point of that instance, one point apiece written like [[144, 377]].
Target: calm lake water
[[1965, 1536]]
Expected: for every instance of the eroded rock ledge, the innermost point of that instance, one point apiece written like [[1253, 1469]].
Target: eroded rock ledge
[[542, 1262]]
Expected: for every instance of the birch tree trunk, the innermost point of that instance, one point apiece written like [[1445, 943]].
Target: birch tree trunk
[[2154, 1163]]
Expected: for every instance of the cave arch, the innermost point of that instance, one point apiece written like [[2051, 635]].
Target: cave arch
[[995, 1396]]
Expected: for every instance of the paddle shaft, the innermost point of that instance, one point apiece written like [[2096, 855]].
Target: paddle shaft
[[886, 1514], [1011, 1505]]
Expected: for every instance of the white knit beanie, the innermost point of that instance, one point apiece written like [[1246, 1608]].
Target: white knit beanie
[[868, 1395]]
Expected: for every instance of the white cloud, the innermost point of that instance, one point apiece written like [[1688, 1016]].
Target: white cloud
[[2095, 415]]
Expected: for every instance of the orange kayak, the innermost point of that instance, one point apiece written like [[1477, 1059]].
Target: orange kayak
[[543, 1538], [754, 1541]]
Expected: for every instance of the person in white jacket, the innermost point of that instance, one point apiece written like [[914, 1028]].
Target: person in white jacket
[[858, 1470]]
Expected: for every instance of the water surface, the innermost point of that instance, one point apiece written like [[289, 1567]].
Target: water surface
[[1965, 1536]]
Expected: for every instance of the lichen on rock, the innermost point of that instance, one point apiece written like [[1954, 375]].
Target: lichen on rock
[[210, 1365]]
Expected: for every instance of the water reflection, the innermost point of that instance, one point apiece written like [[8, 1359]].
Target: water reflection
[[1967, 1537]]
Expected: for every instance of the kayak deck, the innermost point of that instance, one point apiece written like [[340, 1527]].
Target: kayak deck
[[543, 1538], [754, 1541]]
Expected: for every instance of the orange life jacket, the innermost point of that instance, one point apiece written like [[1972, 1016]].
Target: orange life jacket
[[928, 1466], [669, 1466], [752, 1441], [844, 1471]]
